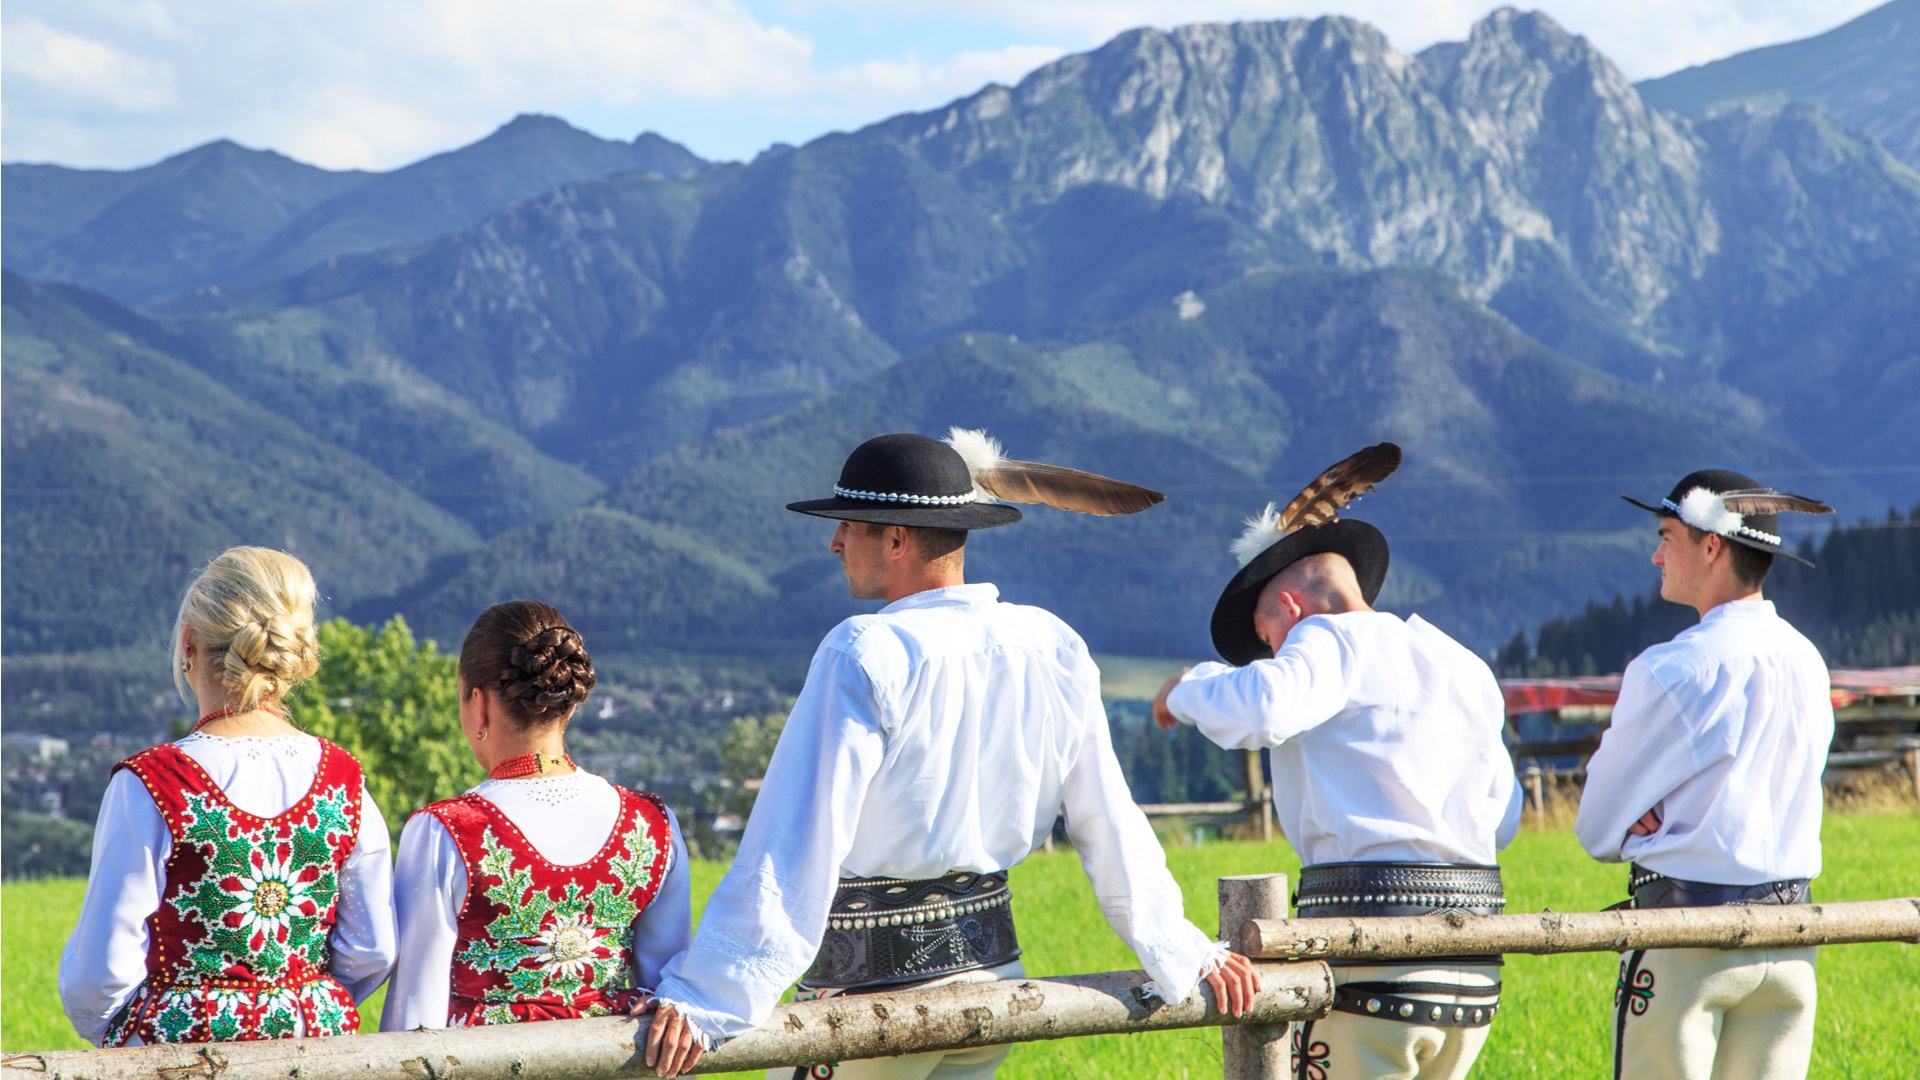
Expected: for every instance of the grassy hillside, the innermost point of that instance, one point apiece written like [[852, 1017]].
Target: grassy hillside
[[126, 467], [1556, 1012]]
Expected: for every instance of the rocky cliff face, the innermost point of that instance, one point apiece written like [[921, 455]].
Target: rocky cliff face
[[1321, 131]]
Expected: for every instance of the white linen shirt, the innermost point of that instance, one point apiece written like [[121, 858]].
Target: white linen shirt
[[946, 732], [106, 957], [568, 820], [1385, 739], [1724, 730]]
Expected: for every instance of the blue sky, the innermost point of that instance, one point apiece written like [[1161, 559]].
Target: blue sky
[[380, 83]]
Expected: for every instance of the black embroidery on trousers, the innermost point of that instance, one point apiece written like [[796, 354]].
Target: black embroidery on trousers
[[1631, 995], [1310, 1059]]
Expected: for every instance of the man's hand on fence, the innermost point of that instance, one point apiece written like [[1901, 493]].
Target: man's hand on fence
[[672, 1044], [1161, 714], [1234, 983]]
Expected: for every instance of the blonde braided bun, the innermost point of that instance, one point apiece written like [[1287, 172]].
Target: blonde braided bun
[[251, 613]]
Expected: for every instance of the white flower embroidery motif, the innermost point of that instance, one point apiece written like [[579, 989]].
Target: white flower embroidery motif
[[270, 896], [570, 946]]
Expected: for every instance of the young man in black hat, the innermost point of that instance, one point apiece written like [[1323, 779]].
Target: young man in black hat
[[1708, 782], [931, 749], [1389, 774]]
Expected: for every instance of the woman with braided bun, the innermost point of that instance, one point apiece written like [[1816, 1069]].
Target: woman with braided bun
[[241, 884], [546, 892]]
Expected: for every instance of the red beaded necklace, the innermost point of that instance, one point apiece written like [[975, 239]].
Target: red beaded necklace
[[534, 764], [234, 711]]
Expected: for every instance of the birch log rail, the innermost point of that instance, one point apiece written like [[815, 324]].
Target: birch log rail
[[1790, 926], [835, 1029]]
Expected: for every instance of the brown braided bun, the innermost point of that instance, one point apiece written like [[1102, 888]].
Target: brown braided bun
[[525, 651]]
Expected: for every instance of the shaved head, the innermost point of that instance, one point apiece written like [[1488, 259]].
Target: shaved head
[[1325, 581]]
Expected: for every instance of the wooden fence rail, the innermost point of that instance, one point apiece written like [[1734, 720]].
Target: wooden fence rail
[[1024, 1010], [1788, 926], [834, 1029]]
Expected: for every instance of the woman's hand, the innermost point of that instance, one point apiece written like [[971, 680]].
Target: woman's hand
[[672, 1045]]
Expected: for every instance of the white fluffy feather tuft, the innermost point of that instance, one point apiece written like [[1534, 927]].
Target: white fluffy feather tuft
[[1702, 509], [1261, 534], [980, 451]]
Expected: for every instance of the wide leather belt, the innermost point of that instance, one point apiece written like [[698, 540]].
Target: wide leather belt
[[1367, 889], [1370, 889], [1389, 1001], [1654, 890], [889, 931]]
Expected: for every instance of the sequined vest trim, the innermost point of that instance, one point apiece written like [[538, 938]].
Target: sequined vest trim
[[238, 948], [541, 941]]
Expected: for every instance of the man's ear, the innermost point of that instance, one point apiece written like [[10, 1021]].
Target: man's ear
[[1290, 604], [899, 539]]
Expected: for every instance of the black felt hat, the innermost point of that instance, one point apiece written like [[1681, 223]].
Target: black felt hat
[[1358, 542], [1734, 506], [1309, 525], [908, 479]]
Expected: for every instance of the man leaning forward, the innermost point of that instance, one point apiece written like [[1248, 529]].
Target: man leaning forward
[[932, 748], [1389, 775]]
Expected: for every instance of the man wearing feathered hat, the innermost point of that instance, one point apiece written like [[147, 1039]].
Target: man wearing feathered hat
[[1389, 775], [1708, 782], [931, 749]]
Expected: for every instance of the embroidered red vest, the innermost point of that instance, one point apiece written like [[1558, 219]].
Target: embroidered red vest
[[238, 948], [538, 941]]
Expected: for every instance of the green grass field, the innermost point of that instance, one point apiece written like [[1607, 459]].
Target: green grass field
[[1553, 1023]]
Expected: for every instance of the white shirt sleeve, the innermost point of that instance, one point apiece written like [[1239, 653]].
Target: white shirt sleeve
[[106, 957], [763, 925], [364, 939], [1268, 702], [1646, 753], [1126, 866], [429, 886], [665, 929]]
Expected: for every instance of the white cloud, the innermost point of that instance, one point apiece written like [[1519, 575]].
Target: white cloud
[[912, 83], [86, 72], [378, 83]]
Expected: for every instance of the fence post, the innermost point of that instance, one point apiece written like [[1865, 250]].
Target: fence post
[[1259, 804], [1252, 1051]]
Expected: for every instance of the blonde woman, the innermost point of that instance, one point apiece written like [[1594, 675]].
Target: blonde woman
[[241, 885], [546, 892]]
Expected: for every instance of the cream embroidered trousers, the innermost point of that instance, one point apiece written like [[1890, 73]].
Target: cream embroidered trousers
[[1344, 1046], [1714, 1014]]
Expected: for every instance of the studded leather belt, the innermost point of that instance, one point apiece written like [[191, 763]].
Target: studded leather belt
[[1371, 889], [1654, 890], [891, 931], [1389, 1001]]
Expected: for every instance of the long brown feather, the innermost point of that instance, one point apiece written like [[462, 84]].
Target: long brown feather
[[1321, 501], [1762, 501], [1063, 488]]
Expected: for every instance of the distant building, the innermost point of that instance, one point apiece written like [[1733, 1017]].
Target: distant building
[[41, 748]]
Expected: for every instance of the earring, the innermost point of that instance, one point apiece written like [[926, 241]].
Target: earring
[[186, 666], [483, 734]]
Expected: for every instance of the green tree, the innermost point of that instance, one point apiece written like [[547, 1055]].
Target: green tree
[[394, 703], [745, 751]]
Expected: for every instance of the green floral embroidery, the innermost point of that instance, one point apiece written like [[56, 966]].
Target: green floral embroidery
[[266, 889], [556, 944], [260, 906]]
